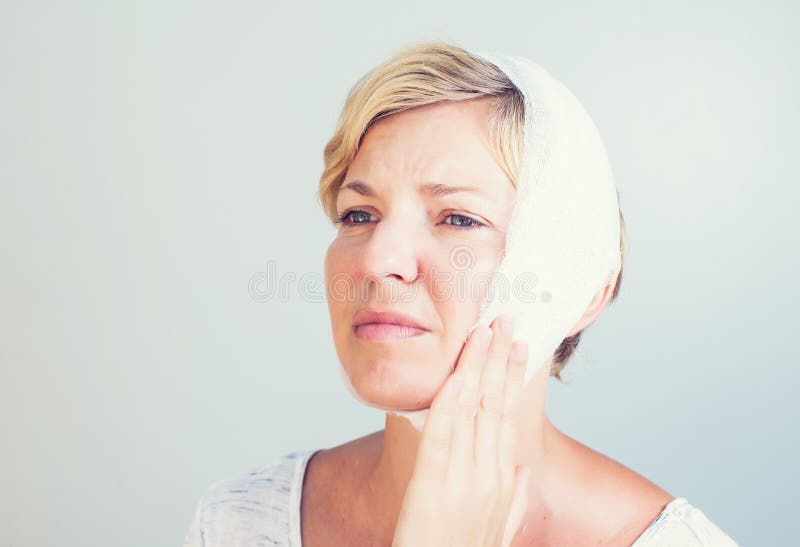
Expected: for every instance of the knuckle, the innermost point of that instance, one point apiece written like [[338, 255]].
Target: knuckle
[[439, 443], [497, 354], [485, 489], [509, 415], [472, 377], [491, 405], [467, 410]]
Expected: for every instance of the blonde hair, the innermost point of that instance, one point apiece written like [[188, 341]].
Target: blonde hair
[[424, 73]]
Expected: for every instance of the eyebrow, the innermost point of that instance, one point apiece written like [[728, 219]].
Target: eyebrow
[[433, 188]]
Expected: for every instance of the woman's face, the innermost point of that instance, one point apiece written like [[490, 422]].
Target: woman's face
[[424, 208]]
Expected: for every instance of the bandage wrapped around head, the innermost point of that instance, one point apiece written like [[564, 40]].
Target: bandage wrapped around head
[[563, 240]]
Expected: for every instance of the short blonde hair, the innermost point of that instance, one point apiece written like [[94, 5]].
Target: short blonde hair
[[424, 73]]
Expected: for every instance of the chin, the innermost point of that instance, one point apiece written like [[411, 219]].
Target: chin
[[397, 385]]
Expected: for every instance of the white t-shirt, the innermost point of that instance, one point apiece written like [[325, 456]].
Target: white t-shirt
[[262, 508]]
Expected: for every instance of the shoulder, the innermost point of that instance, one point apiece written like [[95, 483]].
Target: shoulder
[[681, 523], [636, 511], [251, 508]]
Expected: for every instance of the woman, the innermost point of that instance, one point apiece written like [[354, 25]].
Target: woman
[[441, 175]]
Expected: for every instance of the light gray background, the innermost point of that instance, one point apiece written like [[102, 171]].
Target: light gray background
[[157, 155]]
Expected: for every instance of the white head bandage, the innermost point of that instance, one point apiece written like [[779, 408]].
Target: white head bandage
[[563, 240]]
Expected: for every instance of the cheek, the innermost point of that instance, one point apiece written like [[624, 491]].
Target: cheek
[[339, 284], [462, 273], [340, 264], [459, 285]]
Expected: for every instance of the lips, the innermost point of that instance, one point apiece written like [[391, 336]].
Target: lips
[[390, 317], [385, 326]]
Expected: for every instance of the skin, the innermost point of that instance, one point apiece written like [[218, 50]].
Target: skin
[[466, 489], [392, 252]]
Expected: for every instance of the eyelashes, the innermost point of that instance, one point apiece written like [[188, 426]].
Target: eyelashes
[[460, 222], [470, 222], [345, 219]]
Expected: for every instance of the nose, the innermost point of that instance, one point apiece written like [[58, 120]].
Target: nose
[[392, 252]]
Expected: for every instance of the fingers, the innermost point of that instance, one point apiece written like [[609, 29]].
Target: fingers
[[434, 448], [470, 434], [490, 401], [512, 391], [469, 367], [474, 425]]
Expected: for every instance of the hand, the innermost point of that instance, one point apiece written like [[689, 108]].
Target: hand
[[465, 490]]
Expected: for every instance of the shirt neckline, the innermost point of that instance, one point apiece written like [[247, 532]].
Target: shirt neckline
[[301, 464], [658, 522], [295, 521]]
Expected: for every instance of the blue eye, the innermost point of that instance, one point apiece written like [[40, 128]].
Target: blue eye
[[356, 216], [463, 221], [350, 217]]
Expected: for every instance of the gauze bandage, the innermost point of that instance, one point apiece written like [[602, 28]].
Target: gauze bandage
[[563, 240]]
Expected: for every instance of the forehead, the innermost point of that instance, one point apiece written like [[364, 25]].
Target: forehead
[[445, 143]]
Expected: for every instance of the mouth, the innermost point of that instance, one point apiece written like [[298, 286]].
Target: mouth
[[386, 326], [386, 332]]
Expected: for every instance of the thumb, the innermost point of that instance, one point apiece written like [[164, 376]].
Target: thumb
[[519, 504]]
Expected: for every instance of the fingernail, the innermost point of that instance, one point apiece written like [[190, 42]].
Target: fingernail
[[483, 336], [507, 325], [520, 351]]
